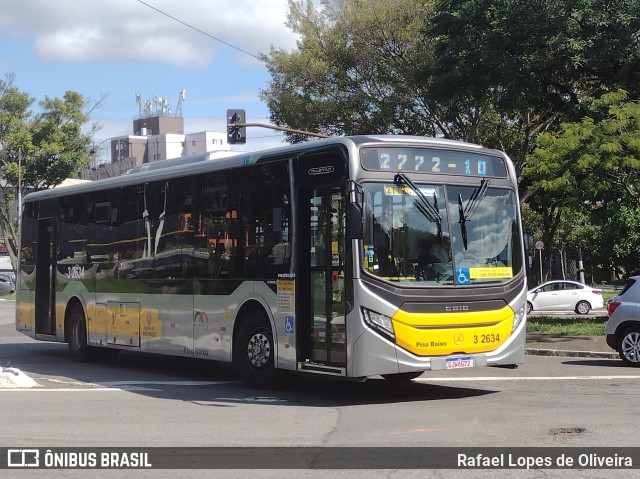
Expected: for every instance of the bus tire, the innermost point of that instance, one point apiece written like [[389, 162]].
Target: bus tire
[[254, 351], [79, 349], [402, 377]]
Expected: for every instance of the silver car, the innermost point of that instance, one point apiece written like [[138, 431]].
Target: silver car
[[564, 295], [622, 329], [7, 283]]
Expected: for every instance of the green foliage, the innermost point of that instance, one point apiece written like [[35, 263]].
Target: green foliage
[[591, 168], [353, 71], [552, 77], [37, 150], [620, 236], [595, 158]]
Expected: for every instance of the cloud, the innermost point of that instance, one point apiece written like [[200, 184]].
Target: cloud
[[130, 31]]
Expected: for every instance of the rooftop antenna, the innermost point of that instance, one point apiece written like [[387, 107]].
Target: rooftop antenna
[[138, 101], [181, 98]]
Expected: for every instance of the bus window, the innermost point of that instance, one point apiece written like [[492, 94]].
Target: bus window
[[213, 221], [265, 209], [72, 224]]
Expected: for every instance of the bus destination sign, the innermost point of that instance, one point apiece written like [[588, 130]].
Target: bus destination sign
[[432, 160]]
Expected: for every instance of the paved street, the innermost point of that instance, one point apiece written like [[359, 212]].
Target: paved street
[[145, 400]]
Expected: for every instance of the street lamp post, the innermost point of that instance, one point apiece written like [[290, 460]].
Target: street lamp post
[[580, 265], [19, 187]]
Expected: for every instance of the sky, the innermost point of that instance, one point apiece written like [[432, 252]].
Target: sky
[[113, 49]]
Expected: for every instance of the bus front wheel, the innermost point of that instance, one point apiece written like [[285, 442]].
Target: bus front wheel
[[79, 349], [254, 353]]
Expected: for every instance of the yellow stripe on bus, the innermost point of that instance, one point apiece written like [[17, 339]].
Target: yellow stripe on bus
[[437, 334]]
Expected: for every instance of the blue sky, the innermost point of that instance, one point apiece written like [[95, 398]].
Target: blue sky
[[113, 48]]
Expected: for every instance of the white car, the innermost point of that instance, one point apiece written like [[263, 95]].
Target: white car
[[7, 283], [564, 295]]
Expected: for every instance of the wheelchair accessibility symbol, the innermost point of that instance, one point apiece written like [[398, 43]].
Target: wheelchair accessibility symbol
[[462, 276], [288, 324]]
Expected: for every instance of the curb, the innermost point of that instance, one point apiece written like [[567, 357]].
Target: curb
[[571, 354]]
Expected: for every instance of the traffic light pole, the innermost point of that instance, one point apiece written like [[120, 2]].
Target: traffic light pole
[[281, 128], [237, 128]]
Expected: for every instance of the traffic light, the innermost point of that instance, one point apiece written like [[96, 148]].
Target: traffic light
[[236, 131]]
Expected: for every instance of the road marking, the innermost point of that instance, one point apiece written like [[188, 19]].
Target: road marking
[[529, 378], [110, 385], [57, 390]]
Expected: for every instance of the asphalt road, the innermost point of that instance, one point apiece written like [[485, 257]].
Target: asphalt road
[[140, 400]]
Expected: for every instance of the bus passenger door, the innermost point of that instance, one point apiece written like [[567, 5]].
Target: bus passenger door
[[321, 260], [45, 295]]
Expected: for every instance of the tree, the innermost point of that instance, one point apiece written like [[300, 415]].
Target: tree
[[495, 73], [617, 244], [38, 150], [353, 71], [594, 165], [532, 63], [469, 70]]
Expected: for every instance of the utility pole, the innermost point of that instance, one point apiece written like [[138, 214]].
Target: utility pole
[[19, 187]]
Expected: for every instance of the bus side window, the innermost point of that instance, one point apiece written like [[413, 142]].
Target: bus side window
[[214, 223], [265, 211], [101, 231], [72, 225], [29, 237]]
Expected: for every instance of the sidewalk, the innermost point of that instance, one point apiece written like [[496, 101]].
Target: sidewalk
[[549, 344]]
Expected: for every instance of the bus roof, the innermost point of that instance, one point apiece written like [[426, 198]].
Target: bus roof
[[220, 160]]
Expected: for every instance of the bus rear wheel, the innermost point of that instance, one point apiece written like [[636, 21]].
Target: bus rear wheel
[[254, 352], [79, 349]]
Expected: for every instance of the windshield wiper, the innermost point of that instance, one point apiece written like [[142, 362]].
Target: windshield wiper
[[465, 214], [428, 210]]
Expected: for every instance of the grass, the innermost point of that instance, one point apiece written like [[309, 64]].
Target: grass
[[607, 295], [568, 325]]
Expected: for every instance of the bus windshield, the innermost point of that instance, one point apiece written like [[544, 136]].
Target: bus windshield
[[433, 234]]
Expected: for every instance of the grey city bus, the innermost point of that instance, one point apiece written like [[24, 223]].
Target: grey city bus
[[348, 257]]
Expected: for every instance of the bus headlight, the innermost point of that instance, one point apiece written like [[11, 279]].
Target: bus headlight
[[518, 316], [381, 323]]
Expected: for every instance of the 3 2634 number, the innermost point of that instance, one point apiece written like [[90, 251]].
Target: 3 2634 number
[[486, 338]]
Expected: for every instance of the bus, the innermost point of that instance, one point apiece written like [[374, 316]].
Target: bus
[[349, 257]]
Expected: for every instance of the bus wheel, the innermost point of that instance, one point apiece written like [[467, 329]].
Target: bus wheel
[[77, 336], [254, 352], [402, 377]]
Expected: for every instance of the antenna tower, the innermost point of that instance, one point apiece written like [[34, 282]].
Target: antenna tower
[[181, 97]]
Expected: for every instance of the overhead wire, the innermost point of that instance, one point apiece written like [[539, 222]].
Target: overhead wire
[[198, 30]]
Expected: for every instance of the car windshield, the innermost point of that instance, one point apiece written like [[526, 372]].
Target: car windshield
[[418, 233]]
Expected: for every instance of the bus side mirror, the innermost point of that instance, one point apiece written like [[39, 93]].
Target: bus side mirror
[[354, 221]]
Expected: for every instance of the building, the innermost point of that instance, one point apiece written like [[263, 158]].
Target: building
[[157, 134]]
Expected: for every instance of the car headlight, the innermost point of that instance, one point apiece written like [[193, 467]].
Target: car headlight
[[518, 316], [379, 322]]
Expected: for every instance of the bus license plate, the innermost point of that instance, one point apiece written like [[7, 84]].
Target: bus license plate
[[457, 363]]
